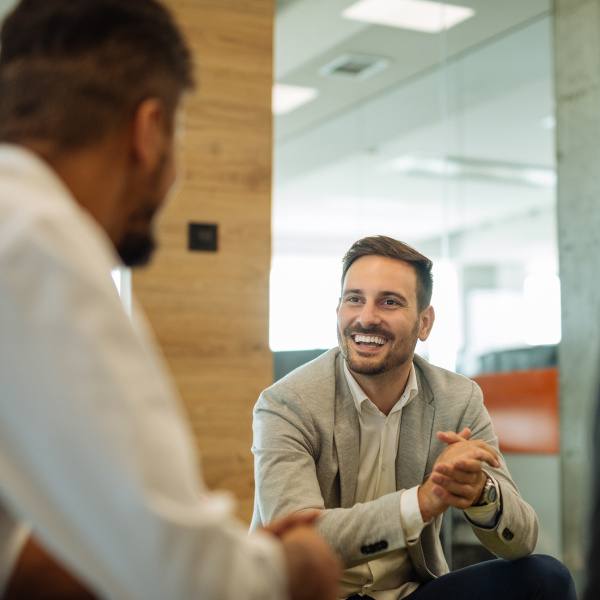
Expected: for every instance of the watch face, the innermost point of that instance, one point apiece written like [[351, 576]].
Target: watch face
[[491, 493]]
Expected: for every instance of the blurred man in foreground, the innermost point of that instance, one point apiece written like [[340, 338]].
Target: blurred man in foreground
[[95, 458]]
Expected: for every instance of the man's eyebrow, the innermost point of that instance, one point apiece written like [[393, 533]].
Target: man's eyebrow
[[383, 294], [400, 297]]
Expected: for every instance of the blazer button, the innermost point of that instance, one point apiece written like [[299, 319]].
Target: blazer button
[[373, 548], [507, 534]]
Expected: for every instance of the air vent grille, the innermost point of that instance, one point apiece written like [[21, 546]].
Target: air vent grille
[[354, 66]]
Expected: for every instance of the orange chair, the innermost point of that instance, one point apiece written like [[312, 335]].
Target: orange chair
[[523, 406]]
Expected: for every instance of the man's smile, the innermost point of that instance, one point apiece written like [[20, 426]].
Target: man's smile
[[369, 341]]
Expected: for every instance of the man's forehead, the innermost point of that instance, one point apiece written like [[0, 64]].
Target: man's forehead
[[376, 271]]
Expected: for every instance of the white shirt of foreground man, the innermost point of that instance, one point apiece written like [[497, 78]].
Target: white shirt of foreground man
[[84, 383]]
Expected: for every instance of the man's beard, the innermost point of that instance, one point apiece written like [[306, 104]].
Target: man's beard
[[396, 357], [136, 250]]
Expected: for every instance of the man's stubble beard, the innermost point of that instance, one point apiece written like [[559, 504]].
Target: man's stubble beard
[[136, 249], [398, 357]]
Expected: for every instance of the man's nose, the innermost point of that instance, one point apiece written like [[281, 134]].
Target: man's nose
[[369, 315]]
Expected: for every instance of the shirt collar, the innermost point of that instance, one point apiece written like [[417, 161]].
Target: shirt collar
[[360, 398]]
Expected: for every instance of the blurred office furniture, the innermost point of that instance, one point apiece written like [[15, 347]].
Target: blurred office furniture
[[285, 362], [520, 389]]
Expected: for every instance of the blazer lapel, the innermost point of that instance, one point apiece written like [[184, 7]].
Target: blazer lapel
[[416, 430], [346, 435]]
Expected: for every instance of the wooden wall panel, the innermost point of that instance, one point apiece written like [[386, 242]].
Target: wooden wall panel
[[210, 310]]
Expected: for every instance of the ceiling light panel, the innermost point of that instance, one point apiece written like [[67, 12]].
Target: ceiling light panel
[[287, 98], [434, 165], [418, 15]]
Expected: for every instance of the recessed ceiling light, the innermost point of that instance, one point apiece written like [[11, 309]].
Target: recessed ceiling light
[[420, 15], [287, 98]]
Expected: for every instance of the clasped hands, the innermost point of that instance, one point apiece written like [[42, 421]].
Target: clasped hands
[[457, 478]]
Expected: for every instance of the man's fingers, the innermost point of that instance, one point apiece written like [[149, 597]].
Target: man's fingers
[[451, 437], [488, 455], [458, 477], [456, 451], [456, 494], [462, 465], [465, 434], [281, 526], [470, 471], [445, 496]]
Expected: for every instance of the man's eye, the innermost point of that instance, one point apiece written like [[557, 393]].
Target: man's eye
[[352, 299], [389, 302]]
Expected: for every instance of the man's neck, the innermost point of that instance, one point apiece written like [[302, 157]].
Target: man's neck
[[385, 389], [94, 176]]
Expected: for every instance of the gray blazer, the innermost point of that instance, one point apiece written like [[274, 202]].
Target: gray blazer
[[306, 448]]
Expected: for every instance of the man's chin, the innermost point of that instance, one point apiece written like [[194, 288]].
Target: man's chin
[[365, 365], [136, 251], [364, 368]]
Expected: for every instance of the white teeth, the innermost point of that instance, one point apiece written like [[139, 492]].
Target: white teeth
[[369, 339]]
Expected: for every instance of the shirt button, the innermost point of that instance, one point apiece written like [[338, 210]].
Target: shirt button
[[383, 467]]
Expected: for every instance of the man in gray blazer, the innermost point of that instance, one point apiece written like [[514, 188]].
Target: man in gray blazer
[[383, 443]]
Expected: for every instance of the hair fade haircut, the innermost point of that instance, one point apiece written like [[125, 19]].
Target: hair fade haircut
[[380, 245], [74, 71]]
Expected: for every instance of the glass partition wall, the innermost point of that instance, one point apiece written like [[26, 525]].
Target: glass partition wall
[[442, 138], [449, 146]]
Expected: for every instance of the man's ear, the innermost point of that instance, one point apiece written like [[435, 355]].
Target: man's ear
[[427, 317], [148, 133]]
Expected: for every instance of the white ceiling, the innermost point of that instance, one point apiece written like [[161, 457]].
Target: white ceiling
[[489, 100], [480, 91]]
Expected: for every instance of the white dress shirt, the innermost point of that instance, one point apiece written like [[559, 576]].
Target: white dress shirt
[[94, 452], [392, 576], [13, 536]]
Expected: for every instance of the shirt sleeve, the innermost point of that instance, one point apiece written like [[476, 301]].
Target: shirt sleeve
[[95, 452], [412, 520]]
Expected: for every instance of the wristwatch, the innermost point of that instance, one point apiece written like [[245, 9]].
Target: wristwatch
[[489, 493]]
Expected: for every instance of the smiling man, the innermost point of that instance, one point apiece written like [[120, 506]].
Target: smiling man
[[383, 443]]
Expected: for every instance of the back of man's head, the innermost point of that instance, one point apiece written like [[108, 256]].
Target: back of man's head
[[74, 71]]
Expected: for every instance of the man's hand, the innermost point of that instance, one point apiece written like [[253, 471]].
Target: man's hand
[[457, 478], [313, 569]]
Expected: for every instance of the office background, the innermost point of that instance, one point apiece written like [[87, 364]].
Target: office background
[[477, 142]]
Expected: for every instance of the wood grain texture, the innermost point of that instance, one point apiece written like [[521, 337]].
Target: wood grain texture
[[209, 311]]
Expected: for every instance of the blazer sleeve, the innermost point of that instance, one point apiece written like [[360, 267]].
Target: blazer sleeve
[[515, 533], [296, 469]]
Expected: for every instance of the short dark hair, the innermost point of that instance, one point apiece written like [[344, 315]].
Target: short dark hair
[[380, 245], [73, 71]]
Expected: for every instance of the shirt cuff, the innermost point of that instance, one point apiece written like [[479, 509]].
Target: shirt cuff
[[487, 515], [412, 520]]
